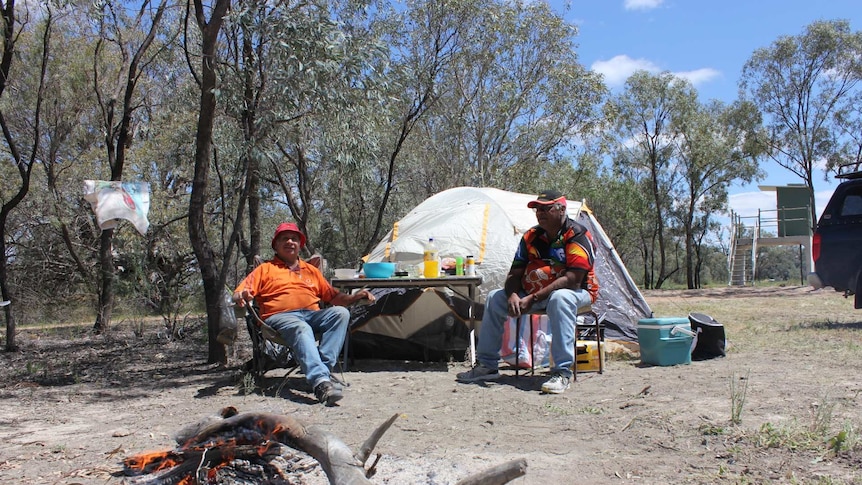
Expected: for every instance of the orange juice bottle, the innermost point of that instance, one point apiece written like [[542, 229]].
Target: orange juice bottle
[[431, 257]]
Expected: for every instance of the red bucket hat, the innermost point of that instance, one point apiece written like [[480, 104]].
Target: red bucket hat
[[288, 226]]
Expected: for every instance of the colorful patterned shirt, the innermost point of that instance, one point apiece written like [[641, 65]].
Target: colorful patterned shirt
[[545, 260]]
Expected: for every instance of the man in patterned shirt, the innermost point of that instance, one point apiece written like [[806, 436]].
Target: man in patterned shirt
[[289, 292], [552, 271]]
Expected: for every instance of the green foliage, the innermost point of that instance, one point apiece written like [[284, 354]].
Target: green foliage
[[711, 430], [556, 409], [821, 420], [817, 435], [34, 368], [804, 84], [738, 393], [846, 439], [772, 436], [247, 384], [343, 116], [779, 263]]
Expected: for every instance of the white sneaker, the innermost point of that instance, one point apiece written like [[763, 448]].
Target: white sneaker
[[478, 374], [557, 384]]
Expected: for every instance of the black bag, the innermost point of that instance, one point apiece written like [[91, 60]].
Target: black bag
[[709, 337]]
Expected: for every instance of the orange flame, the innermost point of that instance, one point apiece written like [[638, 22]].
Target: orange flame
[[215, 450], [153, 461]]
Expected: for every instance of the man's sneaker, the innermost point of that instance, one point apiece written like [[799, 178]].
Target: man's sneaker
[[478, 374], [557, 384], [327, 393]]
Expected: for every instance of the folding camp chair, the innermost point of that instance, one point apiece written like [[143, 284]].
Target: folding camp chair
[[582, 332], [269, 350]]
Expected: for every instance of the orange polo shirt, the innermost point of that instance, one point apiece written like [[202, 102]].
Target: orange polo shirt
[[278, 289]]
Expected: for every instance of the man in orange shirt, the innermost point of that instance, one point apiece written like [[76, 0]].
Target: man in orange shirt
[[289, 292]]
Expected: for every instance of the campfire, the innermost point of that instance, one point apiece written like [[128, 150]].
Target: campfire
[[226, 464], [253, 448]]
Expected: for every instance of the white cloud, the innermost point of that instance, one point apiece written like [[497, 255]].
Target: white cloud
[[619, 68], [747, 204], [642, 4], [699, 76]]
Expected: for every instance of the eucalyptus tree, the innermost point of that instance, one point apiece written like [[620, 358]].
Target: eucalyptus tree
[[849, 121], [265, 54], [122, 55], [317, 106], [716, 145], [515, 95], [247, 94], [204, 43], [19, 147], [802, 83], [644, 150], [276, 107], [380, 178], [619, 203], [61, 228], [47, 122], [164, 277]]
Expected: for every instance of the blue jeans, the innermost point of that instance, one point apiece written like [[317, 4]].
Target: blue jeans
[[298, 328], [562, 310]]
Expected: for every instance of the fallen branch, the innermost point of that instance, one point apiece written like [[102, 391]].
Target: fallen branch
[[499, 474], [218, 440], [335, 457]]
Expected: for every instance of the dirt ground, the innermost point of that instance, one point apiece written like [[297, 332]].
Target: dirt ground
[[73, 405]]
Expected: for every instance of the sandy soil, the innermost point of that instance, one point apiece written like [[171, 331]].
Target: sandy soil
[[73, 405]]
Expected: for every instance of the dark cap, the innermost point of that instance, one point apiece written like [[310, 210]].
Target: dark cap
[[548, 197], [285, 227]]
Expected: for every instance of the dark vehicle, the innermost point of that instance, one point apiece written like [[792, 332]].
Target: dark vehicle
[[837, 244]]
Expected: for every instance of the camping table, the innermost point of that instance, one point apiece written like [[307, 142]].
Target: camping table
[[451, 282]]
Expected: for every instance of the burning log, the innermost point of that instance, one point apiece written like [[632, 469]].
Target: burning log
[[215, 443], [224, 465], [247, 447]]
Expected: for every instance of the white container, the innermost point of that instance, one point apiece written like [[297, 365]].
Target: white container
[[345, 273]]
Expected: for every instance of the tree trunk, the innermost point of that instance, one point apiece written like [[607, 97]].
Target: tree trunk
[[203, 146], [106, 277], [10, 346], [689, 258]]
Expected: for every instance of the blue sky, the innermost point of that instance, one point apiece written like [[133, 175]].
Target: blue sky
[[705, 41]]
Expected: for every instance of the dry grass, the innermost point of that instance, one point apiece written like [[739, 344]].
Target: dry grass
[[773, 317], [782, 407], [815, 325]]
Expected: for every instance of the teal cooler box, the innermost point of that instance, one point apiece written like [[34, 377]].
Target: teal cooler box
[[665, 341]]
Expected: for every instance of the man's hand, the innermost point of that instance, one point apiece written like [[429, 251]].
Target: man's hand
[[364, 295], [241, 297], [519, 306]]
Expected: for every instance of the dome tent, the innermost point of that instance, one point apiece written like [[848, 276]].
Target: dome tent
[[488, 223]]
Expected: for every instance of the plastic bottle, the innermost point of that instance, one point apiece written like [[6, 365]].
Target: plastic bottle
[[431, 260], [470, 269]]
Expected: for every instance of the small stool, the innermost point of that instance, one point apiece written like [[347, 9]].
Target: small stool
[[582, 311]]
